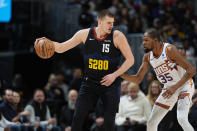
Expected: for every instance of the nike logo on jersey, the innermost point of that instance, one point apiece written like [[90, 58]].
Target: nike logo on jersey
[[107, 40], [91, 39]]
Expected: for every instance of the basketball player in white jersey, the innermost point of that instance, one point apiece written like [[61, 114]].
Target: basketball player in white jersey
[[174, 72]]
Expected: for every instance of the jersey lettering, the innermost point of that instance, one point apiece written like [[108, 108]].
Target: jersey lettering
[[98, 64], [161, 69], [106, 48]]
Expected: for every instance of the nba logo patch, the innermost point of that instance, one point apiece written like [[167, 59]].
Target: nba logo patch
[[163, 56], [5, 10]]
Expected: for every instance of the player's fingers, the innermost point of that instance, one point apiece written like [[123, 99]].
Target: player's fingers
[[105, 77], [102, 81], [164, 94], [106, 83], [168, 96], [36, 42]]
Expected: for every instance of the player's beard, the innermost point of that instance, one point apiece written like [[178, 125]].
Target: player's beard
[[147, 50]]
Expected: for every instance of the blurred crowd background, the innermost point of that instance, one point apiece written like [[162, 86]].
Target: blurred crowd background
[[55, 82]]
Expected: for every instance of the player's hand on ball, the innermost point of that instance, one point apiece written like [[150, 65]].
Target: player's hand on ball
[[44, 47]]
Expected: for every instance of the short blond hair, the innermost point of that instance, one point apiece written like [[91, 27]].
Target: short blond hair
[[133, 86]]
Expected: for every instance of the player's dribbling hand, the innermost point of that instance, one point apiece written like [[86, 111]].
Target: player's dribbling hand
[[108, 80], [42, 38], [169, 91], [38, 39]]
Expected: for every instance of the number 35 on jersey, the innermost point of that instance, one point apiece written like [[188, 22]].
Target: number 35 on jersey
[[98, 64]]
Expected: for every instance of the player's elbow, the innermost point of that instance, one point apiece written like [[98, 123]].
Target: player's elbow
[[138, 80], [131, 61]]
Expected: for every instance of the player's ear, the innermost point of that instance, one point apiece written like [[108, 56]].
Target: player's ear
[[99, 21]]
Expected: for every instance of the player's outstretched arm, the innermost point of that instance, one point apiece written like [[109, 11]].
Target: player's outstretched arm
[[79, 37], [141, 72], [175, 56]]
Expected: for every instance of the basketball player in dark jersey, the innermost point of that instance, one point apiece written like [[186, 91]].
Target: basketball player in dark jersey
[[103, 47]]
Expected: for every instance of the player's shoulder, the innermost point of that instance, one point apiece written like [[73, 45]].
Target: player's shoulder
[[117, 33], [170, 47], [84, 30]]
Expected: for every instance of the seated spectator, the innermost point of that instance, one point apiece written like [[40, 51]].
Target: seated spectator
[[5, 124], [68, 111], [61, 84], [154, 90], [134, 110], [39, 112], [9, 111], [55, 95], [77, 79], [124, 89], [54, 92], [6, 107]]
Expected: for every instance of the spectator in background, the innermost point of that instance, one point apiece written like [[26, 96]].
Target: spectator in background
[[134, 110], [135, 26], [193, 38], [150, 77], [154, 90], [6, 107], [174, 36], [124, 89], [61, 84], [1, 89], [77, 79], [67, 111], [52, 81], [10, 116], [54, 92], [5, 124], [85, 18], [19, 85], [39, 112], [17, 104]]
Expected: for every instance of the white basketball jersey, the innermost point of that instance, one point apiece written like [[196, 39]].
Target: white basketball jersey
[[167, 72]]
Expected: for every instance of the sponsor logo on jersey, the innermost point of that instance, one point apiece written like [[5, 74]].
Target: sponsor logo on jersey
[[107, 41]]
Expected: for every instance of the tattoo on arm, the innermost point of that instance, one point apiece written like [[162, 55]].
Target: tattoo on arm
[[188, 75]]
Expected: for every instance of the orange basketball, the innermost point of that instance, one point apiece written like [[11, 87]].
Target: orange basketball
[[44, 48]]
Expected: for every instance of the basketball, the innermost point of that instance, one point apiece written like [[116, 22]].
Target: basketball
[[44, 49]]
